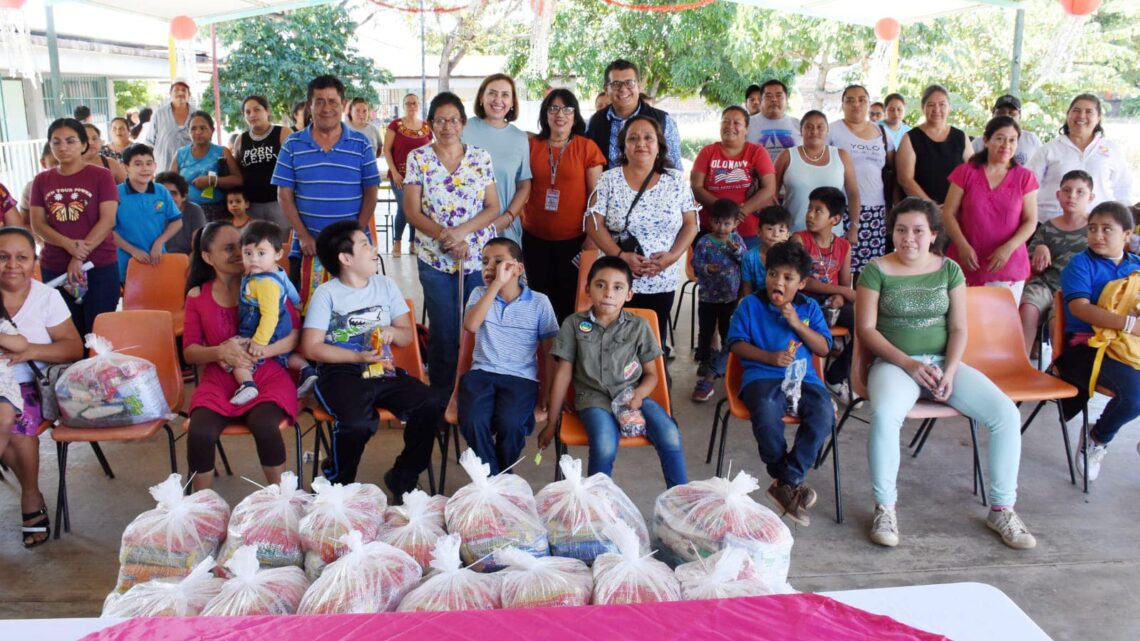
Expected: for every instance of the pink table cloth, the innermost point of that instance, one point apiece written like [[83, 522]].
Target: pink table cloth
[[804, 617]]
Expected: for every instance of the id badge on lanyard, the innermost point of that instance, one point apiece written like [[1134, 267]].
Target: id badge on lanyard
[[551, 199], [552, 194]]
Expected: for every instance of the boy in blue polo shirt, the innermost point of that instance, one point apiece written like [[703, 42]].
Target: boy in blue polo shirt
[[511, 322], [769, 331], [148, 216]]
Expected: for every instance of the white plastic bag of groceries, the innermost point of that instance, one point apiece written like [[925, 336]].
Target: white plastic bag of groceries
[[727, 574], [110, 389], [450, 586], [170, 597], [628, 576], [372, 577], [543, 582], [253, 591]]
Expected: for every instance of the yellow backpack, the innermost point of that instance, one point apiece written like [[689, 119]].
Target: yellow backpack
[[1122, 297]]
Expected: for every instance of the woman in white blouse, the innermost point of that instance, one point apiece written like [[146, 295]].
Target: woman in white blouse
[[644, 212]]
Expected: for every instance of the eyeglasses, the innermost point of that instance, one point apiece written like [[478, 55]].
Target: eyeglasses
[[443, 122], [57, 142], [554, 110], [618, 84]]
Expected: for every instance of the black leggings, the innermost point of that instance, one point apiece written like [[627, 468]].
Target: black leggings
[[206, 426], [662, 304]]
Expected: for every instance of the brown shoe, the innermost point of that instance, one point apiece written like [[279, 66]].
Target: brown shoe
[[396, 249], [790, 500]]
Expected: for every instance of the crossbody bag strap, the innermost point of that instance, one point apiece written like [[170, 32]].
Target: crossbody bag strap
[[644, 186], [4, 315]]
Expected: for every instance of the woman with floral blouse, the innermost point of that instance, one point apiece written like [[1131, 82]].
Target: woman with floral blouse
[[450, 198]]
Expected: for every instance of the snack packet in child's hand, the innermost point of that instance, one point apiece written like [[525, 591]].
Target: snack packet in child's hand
[[793, 377], [386, 367], [631, 422]]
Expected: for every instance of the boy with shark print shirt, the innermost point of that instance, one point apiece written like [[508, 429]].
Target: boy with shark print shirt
[[342, 316]]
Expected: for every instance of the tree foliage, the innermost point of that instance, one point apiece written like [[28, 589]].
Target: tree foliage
[[133, 94], [276, 56]]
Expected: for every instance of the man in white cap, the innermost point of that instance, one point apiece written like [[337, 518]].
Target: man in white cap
[[1028, 144], [170, 125]]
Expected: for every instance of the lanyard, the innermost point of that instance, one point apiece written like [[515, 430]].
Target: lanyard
[[554, 163]]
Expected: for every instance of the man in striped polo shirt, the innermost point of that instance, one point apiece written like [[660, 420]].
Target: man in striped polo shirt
[[325, 173]]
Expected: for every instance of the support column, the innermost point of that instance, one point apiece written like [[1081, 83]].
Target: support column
[[1015, 63], [55, 91]]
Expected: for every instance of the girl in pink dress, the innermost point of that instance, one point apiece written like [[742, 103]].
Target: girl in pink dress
[[210, 339]]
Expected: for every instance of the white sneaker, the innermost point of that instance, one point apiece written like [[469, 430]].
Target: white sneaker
[[1096, 455], [840, 390], [1011, 528], [885, 527]]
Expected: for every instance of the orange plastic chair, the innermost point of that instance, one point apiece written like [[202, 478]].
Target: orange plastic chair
[[585, 262], [572, 432], [146, 334], [926, 411], [159, 287], [734, 372], [407, 358]]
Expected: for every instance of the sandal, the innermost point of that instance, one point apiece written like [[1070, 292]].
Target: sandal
[[42, 526]]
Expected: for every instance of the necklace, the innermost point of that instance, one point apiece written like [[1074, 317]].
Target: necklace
[[823, 261], [813, 158], [559, 143]]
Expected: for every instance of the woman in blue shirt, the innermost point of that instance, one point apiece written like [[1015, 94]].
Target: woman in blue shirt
[[209, 168]]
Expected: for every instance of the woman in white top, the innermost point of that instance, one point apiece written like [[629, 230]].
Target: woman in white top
[[1081, 145], [662, 220], [358, 121], [867, 145], [814, 164]]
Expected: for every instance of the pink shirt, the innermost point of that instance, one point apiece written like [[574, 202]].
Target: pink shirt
[[990, 217], [731, 177]]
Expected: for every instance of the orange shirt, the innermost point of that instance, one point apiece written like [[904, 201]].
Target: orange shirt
[[566, 223]]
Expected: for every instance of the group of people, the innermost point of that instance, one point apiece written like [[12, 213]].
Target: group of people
[[803, 225]]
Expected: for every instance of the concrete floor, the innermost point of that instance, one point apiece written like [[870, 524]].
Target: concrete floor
[[1088, 548]]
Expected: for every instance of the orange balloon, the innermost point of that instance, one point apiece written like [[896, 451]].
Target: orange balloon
[[1080, 7], [887, 29], [183, 28], [12, 4]]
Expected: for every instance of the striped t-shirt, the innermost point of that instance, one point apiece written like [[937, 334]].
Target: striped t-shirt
[[328, 187], [509, 336]]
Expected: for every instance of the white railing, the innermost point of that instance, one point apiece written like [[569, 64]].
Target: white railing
[[19, 163]]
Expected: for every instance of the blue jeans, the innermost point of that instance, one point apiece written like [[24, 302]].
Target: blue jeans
[[765, 402], [444, 311], [1125, 403], [496, 414], [401, 221], [893, 392], [602, 428], [102, 296]]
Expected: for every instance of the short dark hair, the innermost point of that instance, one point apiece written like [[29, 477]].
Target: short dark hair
[[22, 232], [136, 149], [662, 162], [259, 230], [1099, 129], [992, 127], [775, 215], [259, 99], [512, 247], [327, 81], [620, 64], [1118, 212], [915, 205], [751, 90], [569, 100], [891, 97], [98, 131], [773, 81], [72, 124], [442, 99], [609, 262], [237, 191], [334, 240], [878, 104], [81, 112], [173, 178], [724, 208], [513, 112], [1078, 174], [789, 254], [204, 115], [831, 198]]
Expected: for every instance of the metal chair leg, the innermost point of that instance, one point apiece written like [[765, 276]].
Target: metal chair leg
[[1032, 415], [1068, 446], [693, 320], [723, 442], [300, 457], [712, 433], [102, 460], [1085, 444], [559, 449], [979, 479], [835, 472], [835, 434], [318, 439], [62, 518], [918, 433], [926, 435], [225, 461], [170, 441]]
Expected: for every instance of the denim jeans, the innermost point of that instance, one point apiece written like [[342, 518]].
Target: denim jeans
[[765, 402], [1125, 403], [102, 295], [602, 428], [445, 314], [893, 392], [496, 414], [401, 221]]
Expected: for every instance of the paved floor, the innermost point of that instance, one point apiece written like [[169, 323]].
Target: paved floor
[[1081, 582]]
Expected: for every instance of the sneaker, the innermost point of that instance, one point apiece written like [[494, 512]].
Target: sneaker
[[788, 499], [245, 393], [840, 390], [1011, 528], [704, 390], [1096, 455], [885, 527], [808, 497], [307, 380]]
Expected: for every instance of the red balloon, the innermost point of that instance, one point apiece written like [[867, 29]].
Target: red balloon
[[887, 29], [183, 28], [12, 4], [1080, 7]]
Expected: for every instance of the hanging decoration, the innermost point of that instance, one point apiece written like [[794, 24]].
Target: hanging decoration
[[183, 28], [16, 42], [12, 4], [538, 62], [887, 29], [1080, 7], [660, 8], [415, 9]]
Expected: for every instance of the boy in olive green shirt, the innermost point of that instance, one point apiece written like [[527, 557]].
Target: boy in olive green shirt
[[605, 350]]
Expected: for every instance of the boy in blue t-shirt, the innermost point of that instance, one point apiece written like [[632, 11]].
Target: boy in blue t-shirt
[[343, 316], [511, 323], [772, 329], [775, 221], [147, 215], [716, 261]]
